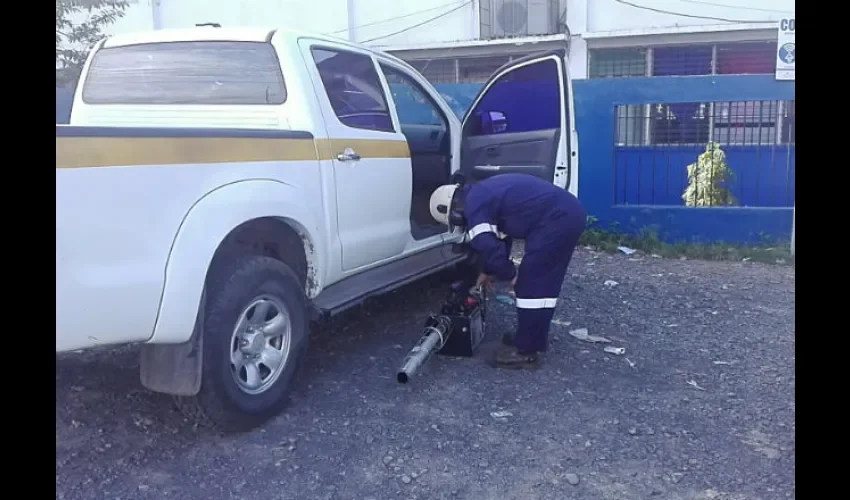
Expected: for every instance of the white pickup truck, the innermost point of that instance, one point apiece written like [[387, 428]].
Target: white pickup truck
[[218, 188]]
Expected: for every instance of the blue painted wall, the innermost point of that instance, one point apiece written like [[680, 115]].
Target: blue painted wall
[[595, 107], [763, 175]]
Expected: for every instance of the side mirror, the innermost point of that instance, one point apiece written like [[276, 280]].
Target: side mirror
[[492, 122]]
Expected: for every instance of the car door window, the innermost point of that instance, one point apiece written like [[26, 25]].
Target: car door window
[[412, 104], [354, 89], [520, 100]]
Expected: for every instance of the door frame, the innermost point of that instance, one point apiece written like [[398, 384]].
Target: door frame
[[333, 124], [455, 131], [563, 161]]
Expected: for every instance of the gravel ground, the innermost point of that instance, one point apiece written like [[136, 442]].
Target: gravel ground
[[701, 406]]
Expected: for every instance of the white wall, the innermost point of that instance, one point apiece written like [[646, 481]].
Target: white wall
[[323, 16], [379, 18], [388, 16], [610, 23], [371, 18], [611, 15], [588, 20]]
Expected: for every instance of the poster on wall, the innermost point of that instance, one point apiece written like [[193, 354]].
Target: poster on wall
[[785, 54]]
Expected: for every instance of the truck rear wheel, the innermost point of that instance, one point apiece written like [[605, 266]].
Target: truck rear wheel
[[255, 336]]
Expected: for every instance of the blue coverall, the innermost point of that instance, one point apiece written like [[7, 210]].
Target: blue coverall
[[549, 219]]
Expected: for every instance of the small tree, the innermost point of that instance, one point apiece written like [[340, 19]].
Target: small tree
[[76, 34], [708, 180]]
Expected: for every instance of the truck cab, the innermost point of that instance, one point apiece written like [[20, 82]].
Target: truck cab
[[215, 182]]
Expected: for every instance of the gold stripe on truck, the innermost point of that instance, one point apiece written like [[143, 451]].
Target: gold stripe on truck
[[82, 152]]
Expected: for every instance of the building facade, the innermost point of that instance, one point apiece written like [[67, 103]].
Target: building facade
[[457, 41]]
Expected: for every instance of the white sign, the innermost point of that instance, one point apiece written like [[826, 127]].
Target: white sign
[[786, 57]]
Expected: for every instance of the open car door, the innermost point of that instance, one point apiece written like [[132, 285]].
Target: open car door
[[522, 122]]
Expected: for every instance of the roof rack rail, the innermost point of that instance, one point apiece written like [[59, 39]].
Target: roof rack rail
[[214, 25]]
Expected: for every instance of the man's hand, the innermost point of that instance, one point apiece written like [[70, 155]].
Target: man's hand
[[513, 281], [485, 280]]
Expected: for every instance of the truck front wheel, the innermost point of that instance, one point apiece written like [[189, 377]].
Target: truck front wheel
[[255, 336]]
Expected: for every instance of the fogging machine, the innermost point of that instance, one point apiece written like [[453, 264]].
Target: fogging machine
[[456, 331]]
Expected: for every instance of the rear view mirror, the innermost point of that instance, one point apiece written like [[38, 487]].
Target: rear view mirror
[[492, 122]]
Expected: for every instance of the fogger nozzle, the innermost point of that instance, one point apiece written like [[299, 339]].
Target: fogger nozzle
[[433, 339]]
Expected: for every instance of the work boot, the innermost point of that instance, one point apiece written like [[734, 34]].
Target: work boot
[[510, 357]]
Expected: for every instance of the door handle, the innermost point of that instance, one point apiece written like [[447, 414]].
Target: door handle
[[348, 154], [493, 151]]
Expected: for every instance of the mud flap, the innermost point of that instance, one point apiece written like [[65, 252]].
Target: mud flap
[[175, 368]]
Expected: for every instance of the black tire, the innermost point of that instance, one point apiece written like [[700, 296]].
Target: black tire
[[221, 404]]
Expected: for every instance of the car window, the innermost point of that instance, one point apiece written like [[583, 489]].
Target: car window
[[205, 73], [354, 89], [525, 99], [413, 105]]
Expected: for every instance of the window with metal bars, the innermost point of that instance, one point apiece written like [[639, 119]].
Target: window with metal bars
[[479, 69], [459, 70], [617, 63], [734, 58], [436, 70], [738, 123], [655, 146], [745, 58]]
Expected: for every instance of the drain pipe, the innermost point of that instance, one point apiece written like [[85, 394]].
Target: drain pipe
[[352, 21], [156, 14]]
